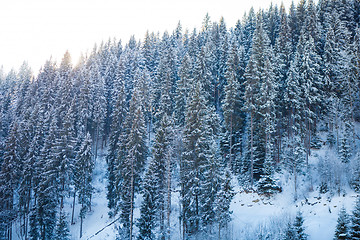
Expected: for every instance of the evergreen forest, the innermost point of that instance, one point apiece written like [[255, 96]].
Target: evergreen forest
[[197, 115]]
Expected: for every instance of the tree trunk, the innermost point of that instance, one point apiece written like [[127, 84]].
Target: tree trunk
[[73, 210], [131, 198], [252, 150], [27, 213], [230, 142], [219, 237], [96, 141], [168, 196], [295, 179], [81, 226]]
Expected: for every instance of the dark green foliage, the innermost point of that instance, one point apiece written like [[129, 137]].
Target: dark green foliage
[[62, 230], [315, 142], [267, 184]]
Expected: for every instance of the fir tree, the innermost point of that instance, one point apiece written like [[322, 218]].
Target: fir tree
[[117, 131], [342, 227], [223, 201], [299, 229], [131, 164], [232, 107], [182, 90], [267, 184], [355, 182], [83, 177], [355, 221], [62, 231], [259, 96], [147, 220], [197, 157]]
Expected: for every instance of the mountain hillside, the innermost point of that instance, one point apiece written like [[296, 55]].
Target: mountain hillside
[[225, 132]]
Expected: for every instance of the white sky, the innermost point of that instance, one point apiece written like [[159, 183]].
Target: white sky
[[34, 30]]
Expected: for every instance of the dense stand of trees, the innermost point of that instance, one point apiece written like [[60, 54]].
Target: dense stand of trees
[[183, 113]]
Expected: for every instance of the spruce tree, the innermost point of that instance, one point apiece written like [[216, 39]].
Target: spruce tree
[[197, 177], [260, 91], [9, 180], [117, 131], [342, 227], [182, 90], [234, 118], [130, 164], [267, 184], [355, 221], [62, 231], [223, 202], [148, 208], [299, 229], [83, 170], [296, 230]]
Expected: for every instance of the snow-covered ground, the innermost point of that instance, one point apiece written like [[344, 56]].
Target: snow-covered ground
[[252, 213]]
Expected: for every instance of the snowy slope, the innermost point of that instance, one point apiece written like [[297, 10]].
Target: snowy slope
[[252, 213]]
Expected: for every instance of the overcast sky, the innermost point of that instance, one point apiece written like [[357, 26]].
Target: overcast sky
[[34, 30]]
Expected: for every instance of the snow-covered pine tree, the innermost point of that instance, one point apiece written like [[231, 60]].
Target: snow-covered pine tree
[[167, 76], [130, 165], [64, 156], [342, 226], [162, 165], [117, 131], [259, 95], [83, 170], [310, 82], [282, 59], [299, 229], [108, 64], [9, 180], [46, 187], [222, 204], [98, 102], [209, 187], [289, 232], [62, 230], [267, 184], [248, 32], [355, 221], [198, 157], [296, 230], [355, 181], [182, 90], [345, 148], [202, 73], [148, 209], [232, 104]]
